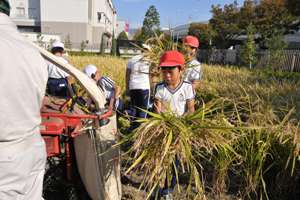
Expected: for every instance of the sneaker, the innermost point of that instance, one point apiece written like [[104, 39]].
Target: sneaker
[[168, 197]]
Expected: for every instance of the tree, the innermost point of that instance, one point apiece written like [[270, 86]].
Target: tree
[[294, 7], [113, 51], [68, 43], [273, 19], [151, 23], [203, 32], [275, 45], [39, 39], [225, 22], [247, 14], [123, 36], [83, 45], [249, 48]]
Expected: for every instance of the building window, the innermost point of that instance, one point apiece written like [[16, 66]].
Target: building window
[[20, 11], [99, 16]]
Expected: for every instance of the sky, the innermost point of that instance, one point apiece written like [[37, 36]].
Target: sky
[[172, 12]]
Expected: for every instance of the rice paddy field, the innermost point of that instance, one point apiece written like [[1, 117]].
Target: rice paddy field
[[241, 143]]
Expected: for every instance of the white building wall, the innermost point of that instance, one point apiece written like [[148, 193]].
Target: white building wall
[[75, 11], [25, 12], [77, 19], [104, 15]]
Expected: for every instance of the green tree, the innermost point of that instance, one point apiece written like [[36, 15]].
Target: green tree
[[123, 36], [68, 43], [225, 22], [151, 23], [293, 6], [275, 45], [113, 51], [203, 32], [40, 40], [273, 18], [249, 48], [83, 45], [247, 14]]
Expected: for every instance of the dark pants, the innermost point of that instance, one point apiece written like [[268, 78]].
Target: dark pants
[[140, 100], [58, 87]]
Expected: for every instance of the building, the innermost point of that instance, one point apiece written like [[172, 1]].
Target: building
[[83, 23], [180, 31]]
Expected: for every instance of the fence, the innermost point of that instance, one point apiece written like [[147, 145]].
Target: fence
[[289, 59]]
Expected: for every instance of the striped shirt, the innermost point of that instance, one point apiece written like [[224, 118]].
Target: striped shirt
[[108, 87]]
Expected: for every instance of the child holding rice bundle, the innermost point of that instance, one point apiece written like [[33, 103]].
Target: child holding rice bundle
[[174, 95]]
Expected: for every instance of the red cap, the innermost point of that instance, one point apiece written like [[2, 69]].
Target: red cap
[[171, 58], [191, 41]]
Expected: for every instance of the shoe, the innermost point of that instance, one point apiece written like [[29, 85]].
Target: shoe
[[168, 197]]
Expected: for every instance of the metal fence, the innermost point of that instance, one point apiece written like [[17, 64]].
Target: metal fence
[[289, 60]]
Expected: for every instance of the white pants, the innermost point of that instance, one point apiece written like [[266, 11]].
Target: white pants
[[22, 171]]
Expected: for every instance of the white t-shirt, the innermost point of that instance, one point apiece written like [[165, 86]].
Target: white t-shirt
[[56, 72], [193, 71], [177, 99], [139, 76]]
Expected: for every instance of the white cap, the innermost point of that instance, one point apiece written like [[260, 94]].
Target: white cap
[[89, 70], [58, 44], [146, 46]]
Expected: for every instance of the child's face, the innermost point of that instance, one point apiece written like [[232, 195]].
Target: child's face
[[171, 75], [97, 76], [190, 51]]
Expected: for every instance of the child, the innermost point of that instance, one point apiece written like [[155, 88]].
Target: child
[[193, 73], [173, 92], [58, 80], [111, 91]]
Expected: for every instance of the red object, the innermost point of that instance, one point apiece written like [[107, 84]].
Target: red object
[[191, 41], [52, 145], [127, 27], [58, 129], [171, 59]]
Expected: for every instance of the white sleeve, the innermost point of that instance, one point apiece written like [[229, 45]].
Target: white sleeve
[[158, 93], [196, 73], [190, 92]]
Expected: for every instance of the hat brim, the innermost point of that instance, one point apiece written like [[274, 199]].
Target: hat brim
[[191, 45], [170, 64]]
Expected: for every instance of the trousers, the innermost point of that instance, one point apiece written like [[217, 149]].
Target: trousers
[[22, 168]]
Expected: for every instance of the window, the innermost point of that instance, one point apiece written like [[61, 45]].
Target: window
[[20, 11]]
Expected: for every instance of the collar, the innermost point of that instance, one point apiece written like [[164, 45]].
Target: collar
[[176, 89]]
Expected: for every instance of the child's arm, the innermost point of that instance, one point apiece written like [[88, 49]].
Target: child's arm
[[191, 106], [117, 91], [195, 84], [190, 101], [111, 103], [157, 106]]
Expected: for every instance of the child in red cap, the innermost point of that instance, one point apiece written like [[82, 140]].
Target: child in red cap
[[193, 73], [173, 93]]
